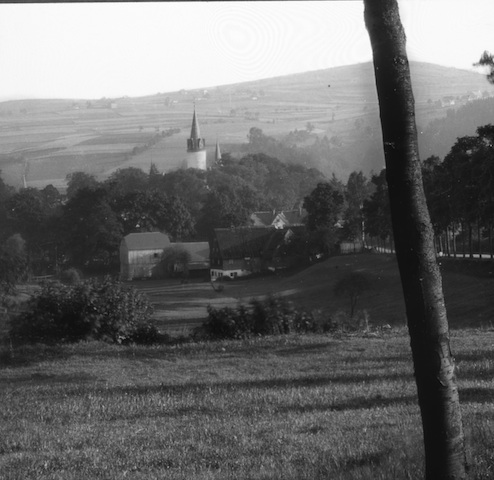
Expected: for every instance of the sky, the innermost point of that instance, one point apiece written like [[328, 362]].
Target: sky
[[94, 50]]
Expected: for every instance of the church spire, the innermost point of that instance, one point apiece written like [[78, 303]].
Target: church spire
[[195, 133], [195, 142], [217, 154]]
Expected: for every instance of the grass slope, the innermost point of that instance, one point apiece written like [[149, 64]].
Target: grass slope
[[467, 286], [291, 408]]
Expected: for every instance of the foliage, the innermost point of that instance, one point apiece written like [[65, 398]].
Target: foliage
[[89, 310], [13, 263], [79, 180], [324, 205], [358, 190], [441, 133], [90, 228], [352, 286], [273, 316], [487, 60], [71, 276], [376, 209], [175, 258], [460, 189], [152, 210]]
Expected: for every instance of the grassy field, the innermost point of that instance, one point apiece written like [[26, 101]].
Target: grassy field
[[468, 287], [291, 408], [339, 406]]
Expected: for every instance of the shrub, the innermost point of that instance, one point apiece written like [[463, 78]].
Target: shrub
[[70, 313], [71, 276], [227, 322], [353, 286], [273, 316]]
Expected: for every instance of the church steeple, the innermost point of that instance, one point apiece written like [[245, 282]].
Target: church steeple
[[196, 147], [217, 153], [195, 142], [195, 132]]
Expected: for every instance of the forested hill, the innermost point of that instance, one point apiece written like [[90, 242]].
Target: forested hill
[[441, 133], [335, 109]]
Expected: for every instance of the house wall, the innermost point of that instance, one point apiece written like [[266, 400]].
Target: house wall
[[138, 263], [234, 268]]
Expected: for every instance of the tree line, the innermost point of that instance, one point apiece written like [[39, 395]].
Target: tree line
[[83, 227], [460, 194]]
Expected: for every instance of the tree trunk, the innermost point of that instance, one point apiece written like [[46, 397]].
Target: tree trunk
[[479, 239], [470, 240], [413, 235], [454, 240], [490, 241]]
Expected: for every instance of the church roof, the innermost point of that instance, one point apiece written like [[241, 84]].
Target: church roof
[[195, 132]]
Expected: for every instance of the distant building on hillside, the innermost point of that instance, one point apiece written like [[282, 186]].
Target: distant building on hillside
[[279, 219]]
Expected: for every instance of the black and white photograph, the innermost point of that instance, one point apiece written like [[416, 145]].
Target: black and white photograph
[[247, 240]]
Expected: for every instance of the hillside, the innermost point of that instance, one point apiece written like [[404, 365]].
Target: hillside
[[44, 140], [467, 287]]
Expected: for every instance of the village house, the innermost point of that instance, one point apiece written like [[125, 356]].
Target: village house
[[198, 256], [279, 219], [141, 254], [241, 251]]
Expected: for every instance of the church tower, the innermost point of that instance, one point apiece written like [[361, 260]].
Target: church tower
[[196, 147]]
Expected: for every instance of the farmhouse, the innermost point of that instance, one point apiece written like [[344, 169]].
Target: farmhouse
[[242, 251], [140, 253], [198, 256], [279, 219]]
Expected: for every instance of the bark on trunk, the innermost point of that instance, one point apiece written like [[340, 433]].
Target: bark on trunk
[[413, 236]]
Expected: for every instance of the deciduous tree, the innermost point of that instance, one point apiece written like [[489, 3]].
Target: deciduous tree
[[413, 233]]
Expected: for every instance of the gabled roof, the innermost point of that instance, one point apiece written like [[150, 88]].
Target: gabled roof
[[263, 219], [292, 217], [287, 218], [146, 241], [242, 242]]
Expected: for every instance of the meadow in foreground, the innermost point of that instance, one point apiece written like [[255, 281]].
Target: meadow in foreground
[[290, 407]]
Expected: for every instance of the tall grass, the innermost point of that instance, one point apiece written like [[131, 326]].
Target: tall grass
[[290, 407]]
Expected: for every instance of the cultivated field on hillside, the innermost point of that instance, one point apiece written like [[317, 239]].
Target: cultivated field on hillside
[[44, 140]]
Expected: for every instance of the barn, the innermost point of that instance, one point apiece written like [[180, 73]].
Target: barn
[[140, 253], [242, 251]]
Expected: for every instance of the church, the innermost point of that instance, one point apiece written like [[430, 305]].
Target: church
[[196, 148]]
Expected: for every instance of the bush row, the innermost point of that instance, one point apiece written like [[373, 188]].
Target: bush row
[[101, 310], [273, 316]]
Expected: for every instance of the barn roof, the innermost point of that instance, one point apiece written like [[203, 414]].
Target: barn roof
[[146, 241], [241, 242]]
